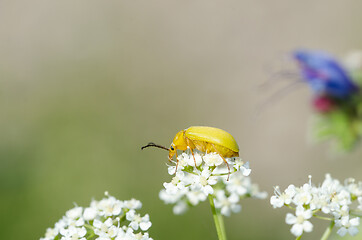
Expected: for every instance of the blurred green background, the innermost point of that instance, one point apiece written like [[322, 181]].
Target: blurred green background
[[84, 84]]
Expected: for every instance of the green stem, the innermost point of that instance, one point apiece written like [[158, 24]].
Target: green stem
[[223, 174], [219, 222], [328, 231], [323, 218], [355, 213], [289, 206], [299, 237]]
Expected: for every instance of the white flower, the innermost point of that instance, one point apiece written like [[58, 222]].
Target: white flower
[[190, 185], [341, 212], [73, 233], [106, 229], [353, 187], [204, 181], [106, 222], [241, 166], [213, 159], [89, 213], [74, 213], [110, 206], [137, 221], [237, 184], [347, 226], [50, 233], [360, 203], [254, 191], [180, 208], [299, 221], [188, 159], [133, 204], [341, 198], [331, 197], [304, 196], [176, 183], [196, 196], [321, 201], [125, 234], [172, 198], [227, 204], [280, 199]]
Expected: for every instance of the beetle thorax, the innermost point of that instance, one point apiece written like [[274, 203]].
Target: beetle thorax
[[179, 141]]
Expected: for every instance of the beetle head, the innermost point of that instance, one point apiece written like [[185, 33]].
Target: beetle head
[[178, 143]]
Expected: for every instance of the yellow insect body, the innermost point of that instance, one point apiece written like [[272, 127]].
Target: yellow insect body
[[205, 139]]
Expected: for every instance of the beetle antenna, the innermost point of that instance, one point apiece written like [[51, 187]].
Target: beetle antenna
[[151, 144]]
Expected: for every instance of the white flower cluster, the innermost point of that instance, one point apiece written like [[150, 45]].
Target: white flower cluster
[[193, 184], [107, 219], [330, 198]]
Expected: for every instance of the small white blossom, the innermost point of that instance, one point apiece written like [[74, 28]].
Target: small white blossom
[[280, 199], [180, 208], [105, 222], [189, 160], [89, 213], [50, 233], [204, 181], [74, 213], [195, 197], [331, 197], [237, 184], [73, 233], [303, 196], [106, 229], [176, 183], [360, 203], [241, 166], [213, 159], [133, 204], [192, 185], [226, 204], [110, 206], [347, 225], [300, 221], [137, 221]]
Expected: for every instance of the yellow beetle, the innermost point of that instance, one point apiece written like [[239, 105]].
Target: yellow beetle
[[204, 139]]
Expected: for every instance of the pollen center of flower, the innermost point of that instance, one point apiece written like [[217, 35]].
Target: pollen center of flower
[[175, 180], [109, 209], [304, 199], [300, 219], [75, 237], [137, 218], [203, 181], [104, 227]]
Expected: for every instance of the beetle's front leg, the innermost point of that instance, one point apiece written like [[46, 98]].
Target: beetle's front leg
[[191, 145], [176, 161]]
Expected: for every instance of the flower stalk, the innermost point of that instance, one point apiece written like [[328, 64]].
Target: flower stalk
[[328, 231], [219, 222], [299, 237]]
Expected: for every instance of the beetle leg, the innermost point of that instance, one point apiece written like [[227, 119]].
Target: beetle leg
[[224, 161], [176, 161], [188, 141], [192, 152]]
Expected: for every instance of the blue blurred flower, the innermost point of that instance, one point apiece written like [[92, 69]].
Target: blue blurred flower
[[324, 74]]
